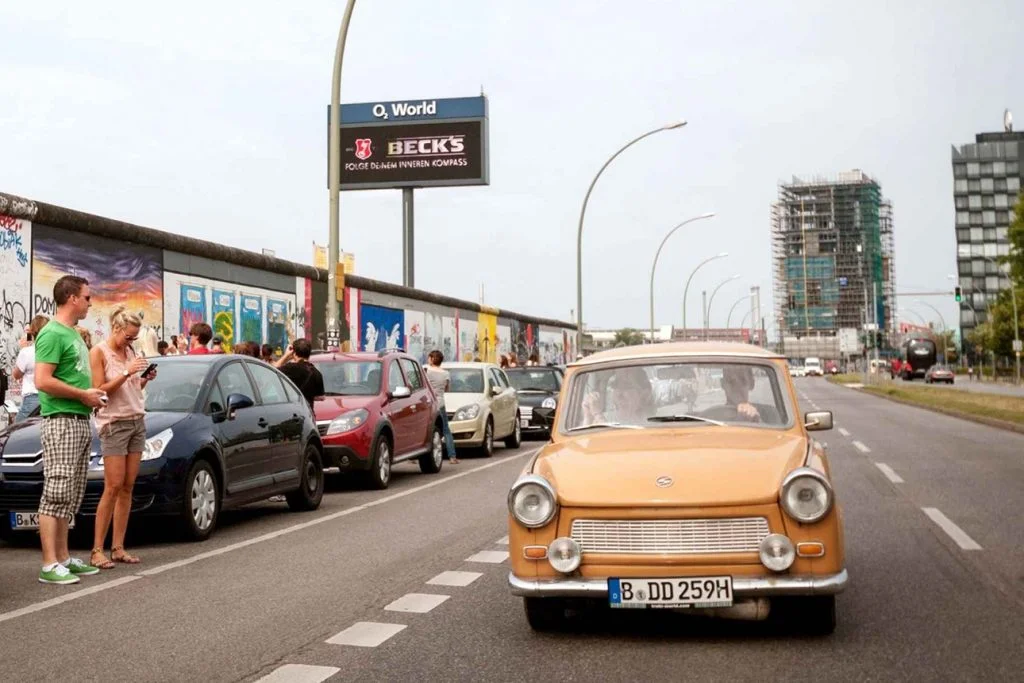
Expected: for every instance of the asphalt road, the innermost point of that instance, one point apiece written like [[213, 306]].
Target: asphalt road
[[263, 598]]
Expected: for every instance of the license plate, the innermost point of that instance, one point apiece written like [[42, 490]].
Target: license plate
[[524, 422], [697, 591], [29, 520]]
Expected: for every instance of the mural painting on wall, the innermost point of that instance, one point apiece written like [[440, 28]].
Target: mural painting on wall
[[487, 337], [224, 317], [433, 335], [277, 325], [467, 340], [415, 324], [449, 338], [193, 307], [551, 347], [382, 328], [524, 340], [252, 318], [15, 246], [118, 273], [504, 339]]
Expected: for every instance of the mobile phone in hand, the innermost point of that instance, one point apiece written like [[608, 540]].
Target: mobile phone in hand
[[148, 371]]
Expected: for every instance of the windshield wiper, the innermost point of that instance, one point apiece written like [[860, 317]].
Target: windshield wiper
[[333, 393], [595, 425], [683, 418], [546, 391]]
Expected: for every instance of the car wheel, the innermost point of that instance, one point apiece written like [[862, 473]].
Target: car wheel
[[812, 615], [430, 462], [514, 439], [487, 448], [311, 484], [379, 475], [201, 505], [545, 614]]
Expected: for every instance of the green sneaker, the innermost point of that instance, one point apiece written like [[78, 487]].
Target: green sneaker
[[58, 574], [79, 568]]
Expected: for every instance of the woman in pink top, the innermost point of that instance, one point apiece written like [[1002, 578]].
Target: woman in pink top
[[122, 429]]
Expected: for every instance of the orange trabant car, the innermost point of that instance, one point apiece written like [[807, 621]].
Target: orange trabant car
[[679, 476]]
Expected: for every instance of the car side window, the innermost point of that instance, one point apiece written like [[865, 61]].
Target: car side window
[[215, 403], [394, 376], [496, 379], [233, 380], [271, 389], [293, 393], [412, 373]]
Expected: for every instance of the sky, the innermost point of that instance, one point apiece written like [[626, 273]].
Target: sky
[[208, 119]]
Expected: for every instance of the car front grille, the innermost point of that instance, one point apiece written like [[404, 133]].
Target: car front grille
[[670, 536]]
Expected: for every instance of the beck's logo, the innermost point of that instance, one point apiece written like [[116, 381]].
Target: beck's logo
[[364, 148]]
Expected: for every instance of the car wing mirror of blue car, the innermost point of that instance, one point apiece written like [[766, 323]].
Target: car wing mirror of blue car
[[237, 402]]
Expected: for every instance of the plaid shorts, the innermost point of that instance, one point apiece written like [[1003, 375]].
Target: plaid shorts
[[67, 444]]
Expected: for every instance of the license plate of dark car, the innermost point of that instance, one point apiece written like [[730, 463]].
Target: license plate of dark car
[[29, 520], [667, 593]]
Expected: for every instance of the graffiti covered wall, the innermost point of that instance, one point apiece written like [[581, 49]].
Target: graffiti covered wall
[[15, 247], [381, 328]]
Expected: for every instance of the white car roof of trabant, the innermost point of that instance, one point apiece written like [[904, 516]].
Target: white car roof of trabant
[[678, 349]]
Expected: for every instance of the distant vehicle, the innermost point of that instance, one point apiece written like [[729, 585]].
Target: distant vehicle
[[538, 390], [917, 354], [482, 406], [939, 373], [813, 367], [797, 371], [831, 367]]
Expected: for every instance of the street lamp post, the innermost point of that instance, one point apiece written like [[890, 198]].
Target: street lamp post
[[334, 181], [579, 232], [728, 318], [711, 300], [944, 327], [686, 289], [658, 253], [1016, 321]]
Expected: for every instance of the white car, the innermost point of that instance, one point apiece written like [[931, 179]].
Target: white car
[[482, 406], [797, 371], [812, 367]]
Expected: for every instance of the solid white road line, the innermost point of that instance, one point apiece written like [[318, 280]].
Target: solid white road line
[[889, 472], [861, 447], [299, 673], [454, 578], [419, 603], [366, 634], [489, 556], [952, 530], [502, 541], [159, 569], [843, 432]]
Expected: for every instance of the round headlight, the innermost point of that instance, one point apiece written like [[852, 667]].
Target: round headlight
[[777, 552], [549, 402], [806, 496], [532, 501], [565, 555]]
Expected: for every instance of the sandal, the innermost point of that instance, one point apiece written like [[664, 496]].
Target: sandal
[[125, 558], [105, 564]]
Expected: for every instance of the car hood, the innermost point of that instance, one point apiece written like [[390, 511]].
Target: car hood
[[24, 438], [709, 466], [534, 398], [453, 402], [330, 407]]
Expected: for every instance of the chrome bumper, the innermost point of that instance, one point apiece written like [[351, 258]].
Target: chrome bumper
[[742, 586]]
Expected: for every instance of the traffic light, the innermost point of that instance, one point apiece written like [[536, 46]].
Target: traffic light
[[958, 293]]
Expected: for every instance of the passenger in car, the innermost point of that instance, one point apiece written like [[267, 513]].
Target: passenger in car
[[629, 400]]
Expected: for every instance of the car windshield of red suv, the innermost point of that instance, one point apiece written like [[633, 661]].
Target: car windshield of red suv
[[351, 378]]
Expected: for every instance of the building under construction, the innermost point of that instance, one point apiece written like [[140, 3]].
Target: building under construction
[[832, 263]]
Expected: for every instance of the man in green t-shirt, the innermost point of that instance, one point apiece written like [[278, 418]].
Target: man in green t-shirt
[[66, 399]]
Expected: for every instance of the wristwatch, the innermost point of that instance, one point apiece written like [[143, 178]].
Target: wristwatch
[[126, 374]]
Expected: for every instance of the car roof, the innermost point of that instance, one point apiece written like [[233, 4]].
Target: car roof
[[467, 366], [362, 356], [676, 349]]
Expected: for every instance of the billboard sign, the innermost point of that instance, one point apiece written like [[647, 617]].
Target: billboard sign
[[421, 143]]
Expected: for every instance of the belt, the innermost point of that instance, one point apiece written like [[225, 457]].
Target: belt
[[73, 416]]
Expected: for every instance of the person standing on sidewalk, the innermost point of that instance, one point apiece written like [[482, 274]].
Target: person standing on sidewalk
[[25, 370], [122, 427], [295, 365], [198, 337], [439, 381], [66, 399]]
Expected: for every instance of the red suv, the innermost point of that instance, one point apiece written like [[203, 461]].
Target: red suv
[[378, 410]]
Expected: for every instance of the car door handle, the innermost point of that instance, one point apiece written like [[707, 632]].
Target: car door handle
[[262, 422]]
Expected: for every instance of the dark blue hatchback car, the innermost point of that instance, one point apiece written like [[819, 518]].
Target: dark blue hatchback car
[[222, 431]]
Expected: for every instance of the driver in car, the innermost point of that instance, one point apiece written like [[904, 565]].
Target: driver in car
[[737, 381], [632, 400]]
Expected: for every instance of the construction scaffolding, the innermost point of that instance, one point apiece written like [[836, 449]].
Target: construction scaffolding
[[833, 259]]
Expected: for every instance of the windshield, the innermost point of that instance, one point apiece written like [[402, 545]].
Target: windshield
[[176, 387], [678, 394], [351, 377], [526, 379], [466, 381]]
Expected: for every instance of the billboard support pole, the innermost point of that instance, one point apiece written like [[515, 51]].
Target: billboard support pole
[[408, 241]]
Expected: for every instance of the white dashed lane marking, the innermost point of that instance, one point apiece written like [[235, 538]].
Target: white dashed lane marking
[[454, 578], [889, 473], [502, 541], [418, 603], [299, 673], [366, 634], [861, 447], [843, 432], [489, 556], [958, 535]]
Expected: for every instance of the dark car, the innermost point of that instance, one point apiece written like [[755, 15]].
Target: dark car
[[939, 373], [538, 388], [222, 431], [378, 410]]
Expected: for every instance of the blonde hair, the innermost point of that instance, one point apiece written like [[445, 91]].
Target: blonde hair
[[121, 318], [37, 324]]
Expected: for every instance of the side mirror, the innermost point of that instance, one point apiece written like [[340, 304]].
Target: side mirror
[[401, 392], [819, 421], [238, 402], [496, 390]]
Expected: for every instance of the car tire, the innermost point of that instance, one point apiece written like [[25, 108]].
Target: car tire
[[201, 501], [515, 439], [379, 475], [487, 447], [545, 615], [311, 483], [430, 462], [812, 615]]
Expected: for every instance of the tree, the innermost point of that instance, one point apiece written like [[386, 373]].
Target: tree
[[627, 336]]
